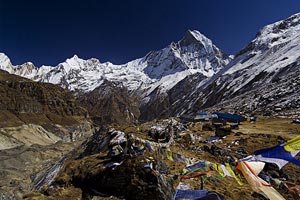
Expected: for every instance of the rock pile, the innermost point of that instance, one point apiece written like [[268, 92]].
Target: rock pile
[[146, 164], [113, 164]]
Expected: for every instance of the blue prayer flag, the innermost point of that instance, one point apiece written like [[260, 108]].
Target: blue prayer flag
[[277, 152], [190, 194]]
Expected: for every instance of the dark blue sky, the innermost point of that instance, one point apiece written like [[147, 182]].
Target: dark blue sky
[[47, 32]]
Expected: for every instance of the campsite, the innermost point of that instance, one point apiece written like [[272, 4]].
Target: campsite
[[150, 100]]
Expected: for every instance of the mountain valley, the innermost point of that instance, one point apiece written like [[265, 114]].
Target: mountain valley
[[90, 130]]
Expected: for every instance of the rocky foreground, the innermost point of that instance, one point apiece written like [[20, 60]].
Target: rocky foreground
[[149, 161]]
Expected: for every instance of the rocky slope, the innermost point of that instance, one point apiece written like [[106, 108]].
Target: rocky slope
[[37, 113], [263, 77], [133, 163], [266, 72], [39, 123], [25, 101], [110, 103]]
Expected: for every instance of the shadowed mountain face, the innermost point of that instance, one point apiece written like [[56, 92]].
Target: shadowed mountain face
[[262, 78], [110, 103], [25, 101]]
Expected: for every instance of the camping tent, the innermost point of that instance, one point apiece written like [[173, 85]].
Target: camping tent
[[229, 117]]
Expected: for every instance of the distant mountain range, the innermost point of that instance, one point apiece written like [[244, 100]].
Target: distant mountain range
[[186, 76], [193, 54]]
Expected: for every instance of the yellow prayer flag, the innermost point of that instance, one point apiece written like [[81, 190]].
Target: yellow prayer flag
[[293, 144], [233, 174], [218, 168]]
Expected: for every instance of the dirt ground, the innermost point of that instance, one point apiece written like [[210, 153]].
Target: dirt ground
[[273, 126], [265, 132]]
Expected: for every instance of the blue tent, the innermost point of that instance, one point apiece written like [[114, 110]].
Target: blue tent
[[229, 117]]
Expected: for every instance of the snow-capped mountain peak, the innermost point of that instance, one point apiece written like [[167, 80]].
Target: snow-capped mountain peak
[[194, 53], [5, 63], [26, 68], [279, 32], [275, 46], [266, 71], [192, 37], [161, 69], [72, 63]]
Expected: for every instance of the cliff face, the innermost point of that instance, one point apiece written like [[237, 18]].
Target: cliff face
[[110, 103], [25, 101]]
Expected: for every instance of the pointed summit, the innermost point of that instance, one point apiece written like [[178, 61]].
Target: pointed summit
[[73, 60], [195, 37], [75, 56]]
